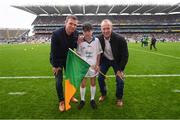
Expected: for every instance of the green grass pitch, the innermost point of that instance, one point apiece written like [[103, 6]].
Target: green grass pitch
[[144, 97]]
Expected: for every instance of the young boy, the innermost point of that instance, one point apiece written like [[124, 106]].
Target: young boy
[[90, 50]]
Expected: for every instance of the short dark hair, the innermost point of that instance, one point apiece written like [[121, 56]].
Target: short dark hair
[[87, 26], [71, 17]]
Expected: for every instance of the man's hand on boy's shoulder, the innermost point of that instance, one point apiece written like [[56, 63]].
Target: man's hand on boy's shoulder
[[80, 39]]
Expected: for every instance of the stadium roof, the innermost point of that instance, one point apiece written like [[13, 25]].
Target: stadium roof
[[101, 9]]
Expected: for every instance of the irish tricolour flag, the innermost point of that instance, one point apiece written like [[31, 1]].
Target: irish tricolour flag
[[76, 69]]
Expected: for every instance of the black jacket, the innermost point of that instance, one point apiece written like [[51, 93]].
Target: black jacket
[[119, 49], [60, 43]]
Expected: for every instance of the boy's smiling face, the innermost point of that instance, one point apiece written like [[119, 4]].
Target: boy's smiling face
[[87, 35]]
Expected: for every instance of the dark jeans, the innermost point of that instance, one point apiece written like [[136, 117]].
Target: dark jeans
[[105, 64], [59, 87], [153, 45]]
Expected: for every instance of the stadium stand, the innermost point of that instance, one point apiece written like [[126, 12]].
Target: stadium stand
[[132, 21], [13, 35]]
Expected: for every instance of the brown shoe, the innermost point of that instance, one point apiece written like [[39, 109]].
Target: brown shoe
[[74, 100], [61, 106], [102, 98], [119, 103]]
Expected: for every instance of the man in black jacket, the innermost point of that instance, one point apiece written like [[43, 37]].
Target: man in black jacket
[[153, 43], [115, 54], [62, 39]]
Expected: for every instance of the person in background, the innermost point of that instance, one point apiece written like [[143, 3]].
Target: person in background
[[153, 43]]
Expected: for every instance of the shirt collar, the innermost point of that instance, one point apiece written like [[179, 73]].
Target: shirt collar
[[67, 34], [107, 39], [93, 38]]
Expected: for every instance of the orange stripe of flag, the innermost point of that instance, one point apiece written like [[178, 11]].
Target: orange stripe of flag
[[69, 92]]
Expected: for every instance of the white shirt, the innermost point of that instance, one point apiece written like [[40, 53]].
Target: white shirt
[[107, 50], [89, 52]]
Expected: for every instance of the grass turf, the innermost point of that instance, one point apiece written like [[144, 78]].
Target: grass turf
[[146, 97]]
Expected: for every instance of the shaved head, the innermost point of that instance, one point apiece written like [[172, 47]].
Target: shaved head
[[106, 28], [106, 21]]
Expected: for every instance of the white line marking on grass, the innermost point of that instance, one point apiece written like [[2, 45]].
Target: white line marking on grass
[[170, 56], [150, 75], [176, 91], [156, 75], [17, 93], [109, 76], [27, 77]]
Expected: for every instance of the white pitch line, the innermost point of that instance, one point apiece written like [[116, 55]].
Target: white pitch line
[[155, 75], [170, 56], [27, 77], [17, 93], [150, 75], [176, 91], [109, 76]]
